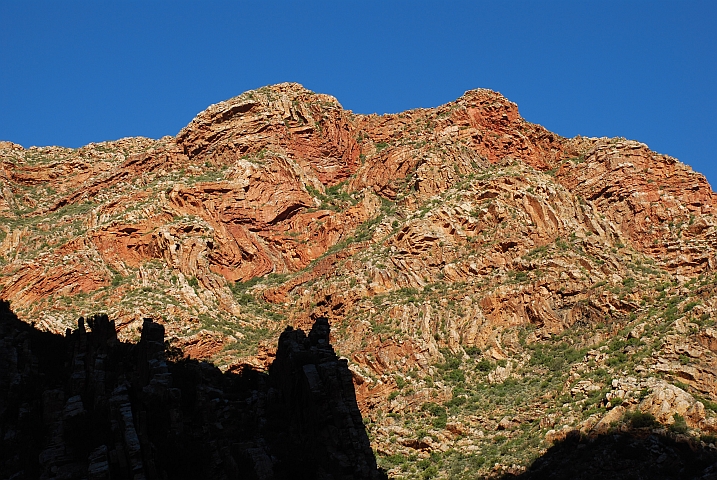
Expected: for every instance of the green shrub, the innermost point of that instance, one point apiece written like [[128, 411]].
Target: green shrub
[[640, 420], [617, 359], [484, 365], [430, 472], [517, 276], [456, 376], [556, 357], [617, 345], [679, 426], [245, 299], [456, 402], [438, 412], [472, 351], [681, 385], [689, 306], [241, 287]]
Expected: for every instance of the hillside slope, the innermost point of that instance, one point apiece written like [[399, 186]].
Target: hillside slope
[[492, 284]]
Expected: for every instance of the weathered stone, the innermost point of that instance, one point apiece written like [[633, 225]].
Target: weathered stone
[[311, 428], [423, 237]]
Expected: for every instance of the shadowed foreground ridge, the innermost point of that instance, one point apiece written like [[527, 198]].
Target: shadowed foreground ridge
[[635, 454], [89, 406]]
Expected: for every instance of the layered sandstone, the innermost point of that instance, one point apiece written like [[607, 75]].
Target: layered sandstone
[[461, 233]]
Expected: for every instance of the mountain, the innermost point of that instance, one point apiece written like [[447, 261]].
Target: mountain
[[494, 286]]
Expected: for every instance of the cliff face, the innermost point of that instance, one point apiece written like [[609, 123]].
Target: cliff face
[[88, 406], [458, 252]]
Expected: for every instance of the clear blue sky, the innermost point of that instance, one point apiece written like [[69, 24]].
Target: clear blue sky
[[74, 72]]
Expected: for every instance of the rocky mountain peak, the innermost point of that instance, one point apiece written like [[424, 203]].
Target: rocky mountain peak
[[461, 255]]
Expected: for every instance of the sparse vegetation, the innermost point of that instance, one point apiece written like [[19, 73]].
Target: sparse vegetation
[[480, 302]]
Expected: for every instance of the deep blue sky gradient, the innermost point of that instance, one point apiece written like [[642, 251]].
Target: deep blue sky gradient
[[74, 72]]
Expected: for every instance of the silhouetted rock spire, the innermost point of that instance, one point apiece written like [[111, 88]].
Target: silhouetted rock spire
[[317, 402], [87, 406]]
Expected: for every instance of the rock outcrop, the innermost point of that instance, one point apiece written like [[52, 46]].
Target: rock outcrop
[[89, 406], [456, 252]]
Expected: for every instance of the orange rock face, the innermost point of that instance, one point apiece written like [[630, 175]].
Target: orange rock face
[[271, 180], [420, 235], [652, 199]]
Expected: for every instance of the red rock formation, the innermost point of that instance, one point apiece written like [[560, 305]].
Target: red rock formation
[[420, 235]]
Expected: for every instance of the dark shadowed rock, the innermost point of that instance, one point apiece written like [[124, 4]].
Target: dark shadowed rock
[[635, 454], [87, 406]]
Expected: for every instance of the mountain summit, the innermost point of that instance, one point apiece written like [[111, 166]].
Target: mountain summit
[[492, 284]]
